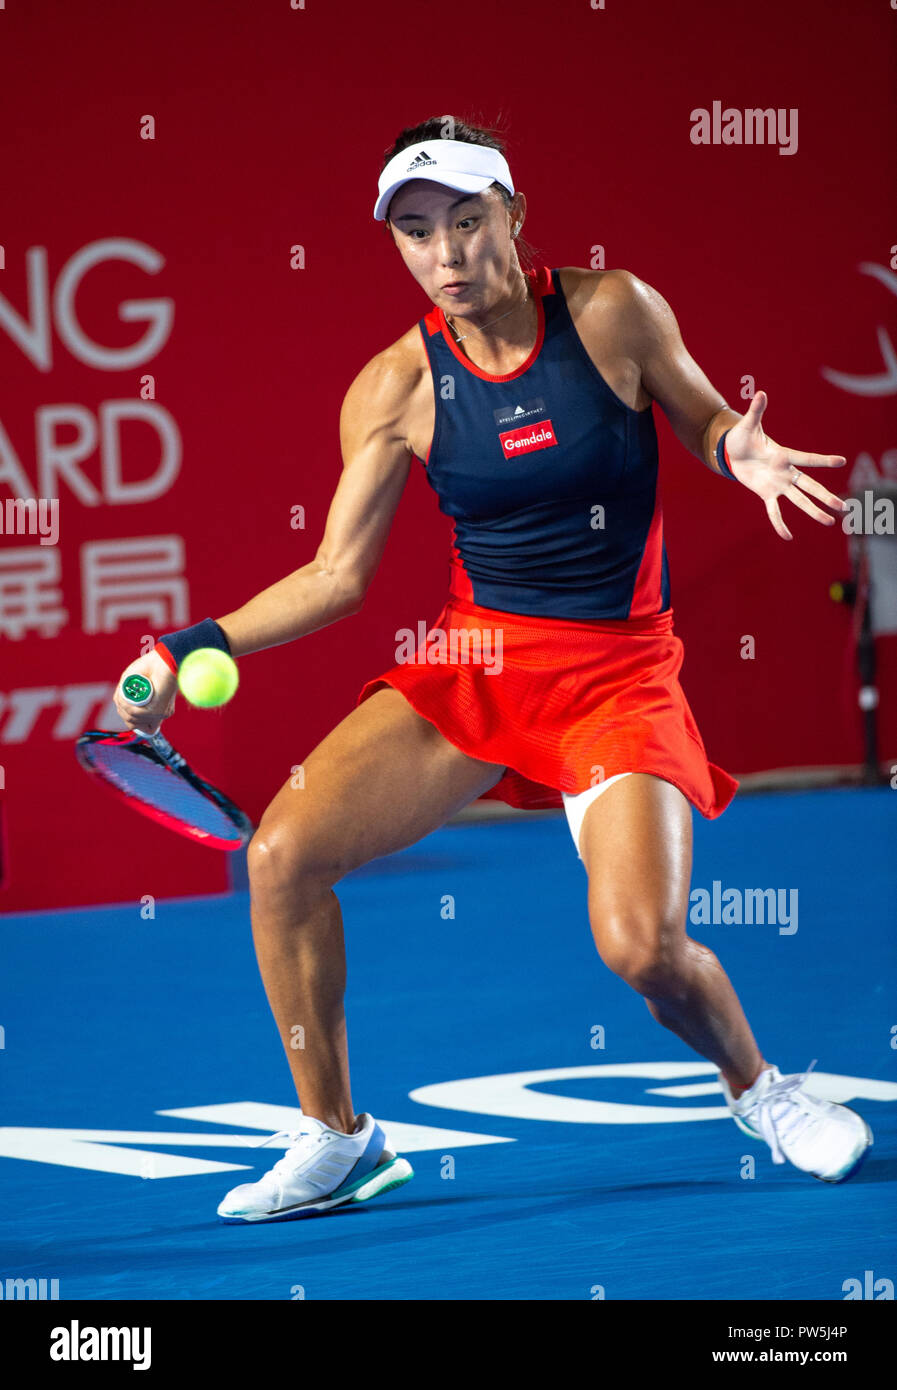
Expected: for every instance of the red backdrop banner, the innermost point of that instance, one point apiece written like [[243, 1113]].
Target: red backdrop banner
[[192, 278]]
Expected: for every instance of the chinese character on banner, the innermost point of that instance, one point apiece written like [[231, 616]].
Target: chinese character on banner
[[30, 599], [141, 577]]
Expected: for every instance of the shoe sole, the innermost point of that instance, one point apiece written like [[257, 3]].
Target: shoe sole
[[853, 1166], [395, 1172]]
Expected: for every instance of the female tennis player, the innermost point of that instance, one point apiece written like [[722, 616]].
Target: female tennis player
[[527, 395]]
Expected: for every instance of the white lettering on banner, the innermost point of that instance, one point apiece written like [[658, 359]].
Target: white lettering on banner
[[136, 578], [507, 1095], [23, 708], [32, 335], [77, 702], [30, 599], [11, 471], [885, 383], [58, 461], [158, 313], [140, 577], [116, 490]]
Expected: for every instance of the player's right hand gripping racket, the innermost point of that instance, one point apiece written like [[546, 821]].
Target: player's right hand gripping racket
[[148, 774]]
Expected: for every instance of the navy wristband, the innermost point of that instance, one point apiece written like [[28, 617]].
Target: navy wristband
[[190, 639], [721, 457]]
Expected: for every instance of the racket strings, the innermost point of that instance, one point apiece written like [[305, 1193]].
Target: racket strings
[[146, 780]]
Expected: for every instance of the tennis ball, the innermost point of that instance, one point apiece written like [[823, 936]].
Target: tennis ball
[[208, 677]]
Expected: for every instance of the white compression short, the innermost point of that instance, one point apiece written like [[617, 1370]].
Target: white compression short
[[577, 805]]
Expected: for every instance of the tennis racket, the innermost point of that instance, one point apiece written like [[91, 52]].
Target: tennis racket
[[154, 779]]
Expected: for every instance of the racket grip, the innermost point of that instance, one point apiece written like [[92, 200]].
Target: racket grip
[[137, 690]]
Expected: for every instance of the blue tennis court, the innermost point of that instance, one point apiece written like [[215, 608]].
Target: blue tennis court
[[565, 1146]]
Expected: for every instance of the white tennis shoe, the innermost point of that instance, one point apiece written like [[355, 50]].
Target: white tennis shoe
[[322, 1168], [825, 1139]]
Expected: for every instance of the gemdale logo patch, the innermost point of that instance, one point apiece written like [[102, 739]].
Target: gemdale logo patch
[[529, 437]]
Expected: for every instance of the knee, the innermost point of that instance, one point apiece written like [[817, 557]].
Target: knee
[[644, 949], [285, 857]]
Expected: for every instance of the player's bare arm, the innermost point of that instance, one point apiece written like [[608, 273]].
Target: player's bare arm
[[648, 338], [376, 460]]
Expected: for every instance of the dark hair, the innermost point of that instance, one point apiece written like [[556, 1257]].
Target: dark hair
[[451, 128]]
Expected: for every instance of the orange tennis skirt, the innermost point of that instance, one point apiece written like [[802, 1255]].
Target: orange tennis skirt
[[561, 705]]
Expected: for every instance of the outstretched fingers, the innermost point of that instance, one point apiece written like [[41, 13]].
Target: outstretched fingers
[[794, 494], [816, 460], [775, 516], [816, 489]]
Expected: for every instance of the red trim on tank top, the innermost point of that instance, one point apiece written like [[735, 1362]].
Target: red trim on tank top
[[647, 590], [543, 281], [539, 278]]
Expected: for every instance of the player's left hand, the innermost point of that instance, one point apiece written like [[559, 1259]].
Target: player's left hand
[[773, 471]]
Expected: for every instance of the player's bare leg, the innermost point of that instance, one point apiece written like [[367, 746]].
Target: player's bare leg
[[636, 844], [382, 779]]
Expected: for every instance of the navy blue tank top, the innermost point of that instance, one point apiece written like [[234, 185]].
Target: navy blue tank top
[[551, 479]]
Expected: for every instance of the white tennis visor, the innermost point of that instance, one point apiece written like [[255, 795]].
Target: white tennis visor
[[469, 168]]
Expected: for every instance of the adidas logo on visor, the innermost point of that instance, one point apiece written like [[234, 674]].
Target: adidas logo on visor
[[420, 161]]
